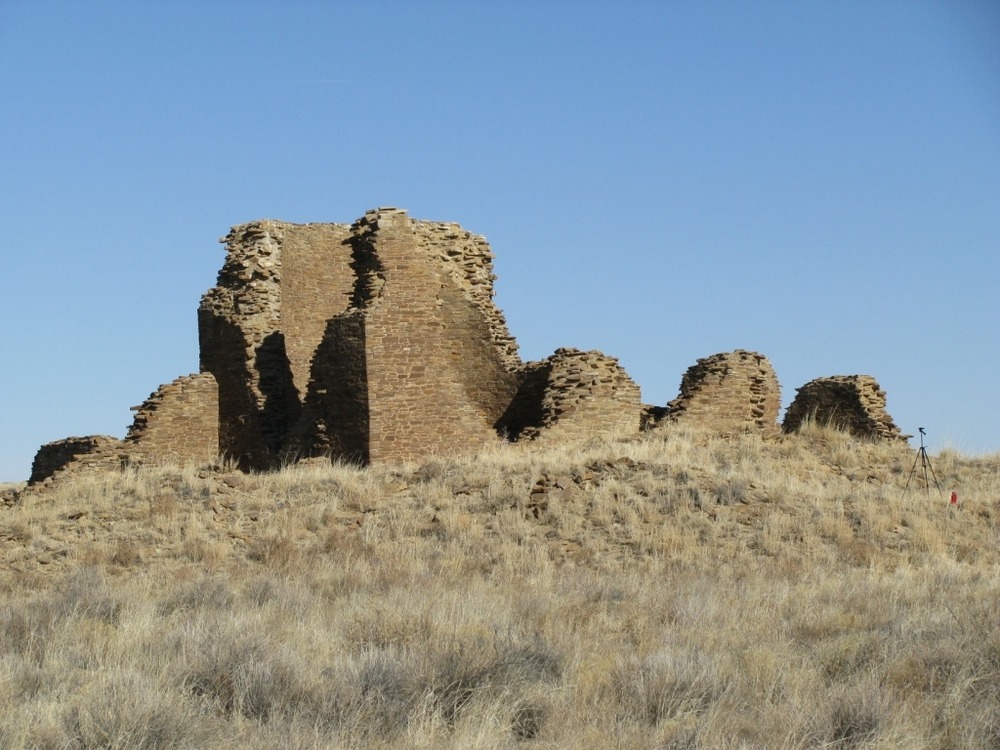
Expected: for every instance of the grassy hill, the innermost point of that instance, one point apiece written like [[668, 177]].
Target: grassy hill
[[674, 590]]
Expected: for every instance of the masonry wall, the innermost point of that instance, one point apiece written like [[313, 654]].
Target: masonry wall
[[731, 392], [437, 361], [436, 350], [335, 419], [853, 403], [316, 283], [177, 424], [77, 455], [573, 395], [380, 341], [261, 324]]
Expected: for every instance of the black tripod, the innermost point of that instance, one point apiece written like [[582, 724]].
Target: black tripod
[[925, 463]]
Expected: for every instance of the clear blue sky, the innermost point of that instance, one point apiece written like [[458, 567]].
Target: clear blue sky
[[817, 181]]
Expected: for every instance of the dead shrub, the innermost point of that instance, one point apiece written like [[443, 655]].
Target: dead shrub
[[127, 710], [241, 673], [277, 551]]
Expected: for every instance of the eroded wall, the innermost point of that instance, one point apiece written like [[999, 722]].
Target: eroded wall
[[177, 424], [422, 341], [260, 326], [853, 403], [573, 395], [380, 341], [77, 455], [731, 392]]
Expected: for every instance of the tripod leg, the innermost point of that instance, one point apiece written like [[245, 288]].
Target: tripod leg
[[936, 482], [912, 470]]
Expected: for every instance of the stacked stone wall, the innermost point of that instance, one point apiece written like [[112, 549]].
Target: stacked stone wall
[[436, 351], [469, 262], [177, 424], [75, 456], [730, 393], [237, 319], [316, 284], [573, 395], [853, 403], [335, 414], [260, 326], [437, 362]]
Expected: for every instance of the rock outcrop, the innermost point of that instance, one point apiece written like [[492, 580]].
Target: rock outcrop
[[853, 403]]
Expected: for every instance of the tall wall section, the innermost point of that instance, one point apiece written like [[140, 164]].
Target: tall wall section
[[422, 363], [260, 325], [316, 284]]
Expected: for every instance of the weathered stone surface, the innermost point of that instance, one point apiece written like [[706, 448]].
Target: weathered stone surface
[[421, 363], [261, 324], [76, 456], [853, 403], [177, 424], [572, 395], [732, 392]]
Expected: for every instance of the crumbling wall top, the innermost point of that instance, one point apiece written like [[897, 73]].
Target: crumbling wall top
[[178, 423], [75, 456]]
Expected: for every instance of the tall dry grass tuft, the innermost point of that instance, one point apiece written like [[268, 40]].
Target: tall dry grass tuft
[[674, 590]]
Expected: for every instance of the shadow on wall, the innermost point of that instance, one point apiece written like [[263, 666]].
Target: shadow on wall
[[282, 407], [334, 419], [526, 409], [258, 402], [222, 348]]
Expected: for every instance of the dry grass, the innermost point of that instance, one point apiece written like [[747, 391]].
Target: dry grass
[[673, 591]]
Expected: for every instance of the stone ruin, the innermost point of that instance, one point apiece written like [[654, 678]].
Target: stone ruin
[[374, 341], [380, 341], [729, 393], [420, 362], [177, 424], [851, 403], [84, 455], [572, 395]]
